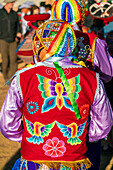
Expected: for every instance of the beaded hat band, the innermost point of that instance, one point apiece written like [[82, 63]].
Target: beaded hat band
[[56, 36]]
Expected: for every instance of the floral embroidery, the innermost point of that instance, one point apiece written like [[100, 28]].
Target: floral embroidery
[[38, 131], [72, 132], [32, 107], [55, 93], [54, 147], [84, 111]]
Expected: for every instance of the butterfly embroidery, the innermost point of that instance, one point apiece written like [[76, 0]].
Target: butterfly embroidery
[[55, 93]]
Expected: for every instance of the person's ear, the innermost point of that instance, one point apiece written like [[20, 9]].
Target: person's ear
[[42, 53]]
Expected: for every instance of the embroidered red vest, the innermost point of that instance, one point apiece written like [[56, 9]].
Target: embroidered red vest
[[85, 47], [52, 135]]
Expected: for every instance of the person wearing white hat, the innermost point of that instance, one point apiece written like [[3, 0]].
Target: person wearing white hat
[[1, 6], [24, 10], [10, 32]]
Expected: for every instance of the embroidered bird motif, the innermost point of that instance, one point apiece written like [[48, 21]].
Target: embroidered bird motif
[[72, 132], [38, 131]]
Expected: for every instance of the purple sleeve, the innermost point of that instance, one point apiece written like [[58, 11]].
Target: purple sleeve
[[10, 115], [103, 62], [101, 116]]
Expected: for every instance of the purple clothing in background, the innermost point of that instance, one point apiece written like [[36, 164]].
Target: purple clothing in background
[[11, 124], [103, 62]]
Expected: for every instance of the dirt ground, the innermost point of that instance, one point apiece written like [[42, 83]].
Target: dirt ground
[[10, 151]]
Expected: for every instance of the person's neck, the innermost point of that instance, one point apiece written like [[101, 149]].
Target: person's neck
[[7, 9]]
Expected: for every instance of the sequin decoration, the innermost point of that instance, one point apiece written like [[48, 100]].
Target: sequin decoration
[[82, 9], [57, 37], [32, 107], [85, 50], [54, 147]]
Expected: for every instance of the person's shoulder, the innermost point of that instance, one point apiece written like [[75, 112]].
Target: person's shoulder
[[89, 71], [26, 68], [92, 35], [2, 14], [81, 34], [14, 12]]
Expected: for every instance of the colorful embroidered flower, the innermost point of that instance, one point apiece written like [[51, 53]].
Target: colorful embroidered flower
[[84, 111], [32, 107], [54, 148]]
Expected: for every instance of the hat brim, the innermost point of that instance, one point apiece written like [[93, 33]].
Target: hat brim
[[37, 17], [10, 1], [87, 13], [108, 19]]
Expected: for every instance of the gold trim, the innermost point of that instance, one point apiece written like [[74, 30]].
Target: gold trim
[[93, 51], [67, 164]]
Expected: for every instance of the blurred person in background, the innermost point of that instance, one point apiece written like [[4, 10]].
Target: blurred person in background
[[1, 6], [24, 50], [42, 7], [10, 33], [48, 9], [24, 9], [35, 9]]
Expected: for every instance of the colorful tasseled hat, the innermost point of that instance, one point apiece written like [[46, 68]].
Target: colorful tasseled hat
[[56, 36], [102, 10], [69, 10]]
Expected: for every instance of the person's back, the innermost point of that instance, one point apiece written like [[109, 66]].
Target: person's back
[[49, 116], [55, 98]]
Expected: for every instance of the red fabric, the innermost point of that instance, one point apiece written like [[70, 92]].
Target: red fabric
[[108, 19], [87, 13], [37, 17], [32, 26], [29, 84], [25, 53], [92, 37]]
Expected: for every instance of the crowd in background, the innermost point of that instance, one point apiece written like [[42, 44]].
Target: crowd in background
[[28, 8], [95, 26], [14, 28]]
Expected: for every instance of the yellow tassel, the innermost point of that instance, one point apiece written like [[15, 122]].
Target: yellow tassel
[[65, 164], [79, 63]]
